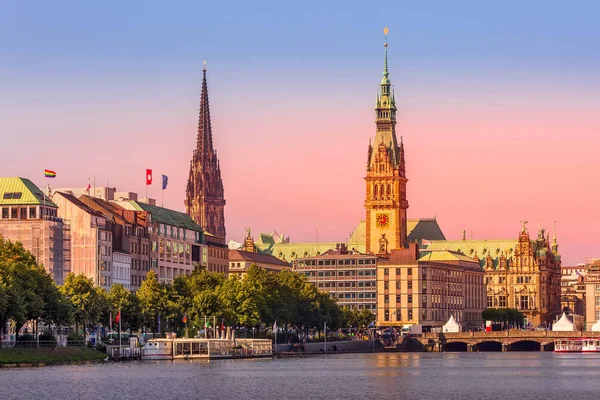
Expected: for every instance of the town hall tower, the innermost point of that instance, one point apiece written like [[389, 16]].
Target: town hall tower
[[385, 201]]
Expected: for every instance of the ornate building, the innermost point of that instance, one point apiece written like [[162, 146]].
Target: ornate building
[[524, 274], [205, 201], [249, 245], [385, 201]]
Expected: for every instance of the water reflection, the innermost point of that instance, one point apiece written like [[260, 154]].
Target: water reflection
[[462, 376]]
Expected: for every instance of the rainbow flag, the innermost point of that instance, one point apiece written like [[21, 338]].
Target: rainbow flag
[[49, 174]]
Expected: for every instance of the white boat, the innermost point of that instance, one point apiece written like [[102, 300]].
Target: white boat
[[590, 345], [158, 349], [200, 348], [568, 345]]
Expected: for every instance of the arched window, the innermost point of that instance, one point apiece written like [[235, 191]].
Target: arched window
[[389, 189], [382, 189], [375, 190]]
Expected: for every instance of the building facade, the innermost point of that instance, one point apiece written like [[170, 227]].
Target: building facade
[[573, 289], [28, 216], [129, 234], [428, 290], [348, 277], [205, 197], [592, 293], [91, 239], [385, 202], [176, 242], [524, 274]]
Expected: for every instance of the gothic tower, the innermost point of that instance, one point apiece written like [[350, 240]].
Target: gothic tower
[[385, 201], [205, 201]]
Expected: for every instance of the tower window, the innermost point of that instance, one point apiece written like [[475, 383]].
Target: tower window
[[375, 190]]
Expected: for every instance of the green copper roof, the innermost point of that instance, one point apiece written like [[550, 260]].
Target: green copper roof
[[446, 256], [21, 191], [168, 217]]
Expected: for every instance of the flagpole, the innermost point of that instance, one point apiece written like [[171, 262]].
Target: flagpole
[[119, 330], [325, 329], [94, 195], [205, 330]]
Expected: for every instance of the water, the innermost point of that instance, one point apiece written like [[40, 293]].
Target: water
[[461, 376]]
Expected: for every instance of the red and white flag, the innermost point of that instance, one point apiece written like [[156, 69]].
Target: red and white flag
[[148, 177], [87, 189], [118, 317]]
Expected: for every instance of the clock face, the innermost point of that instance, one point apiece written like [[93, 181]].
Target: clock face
[[382, 220]]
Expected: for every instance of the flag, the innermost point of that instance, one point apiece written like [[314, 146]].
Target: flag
[[579, 273], [49, 174], [118, 317], [165, 181], [148, 177], [222, 324], [184, 319], [87, 189], [275, 326], [207, 324]]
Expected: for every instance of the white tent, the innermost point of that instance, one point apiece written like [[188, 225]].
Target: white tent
[[596, 327], [564, 324], [451, 325]]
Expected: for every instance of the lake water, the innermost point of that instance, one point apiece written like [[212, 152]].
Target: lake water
[[347, 376]]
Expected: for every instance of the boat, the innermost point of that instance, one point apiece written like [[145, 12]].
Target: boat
[[568, 345], [590, 345], [201, 348], [158, 349]]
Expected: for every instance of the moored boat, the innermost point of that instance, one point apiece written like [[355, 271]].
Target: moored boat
[[568, 345], [201, 348], [590, 345], [158, 349]]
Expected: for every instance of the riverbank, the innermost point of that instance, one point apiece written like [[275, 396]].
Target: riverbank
[[37, 357]]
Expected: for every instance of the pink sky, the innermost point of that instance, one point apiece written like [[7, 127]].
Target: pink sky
[[479, 158]]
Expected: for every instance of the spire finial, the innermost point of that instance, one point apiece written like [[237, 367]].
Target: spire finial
[[554, 237], [204, 65], [385, 64]]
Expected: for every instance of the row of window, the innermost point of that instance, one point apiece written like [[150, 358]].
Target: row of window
[[523, 302], [502, 280], [348, 273], [328, 285], [351, 295], [333, 262], [137, 248]]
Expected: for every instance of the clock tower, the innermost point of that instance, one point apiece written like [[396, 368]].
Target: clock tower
[[385, 201]]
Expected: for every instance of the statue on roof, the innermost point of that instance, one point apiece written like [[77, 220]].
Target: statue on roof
[[524, 224]]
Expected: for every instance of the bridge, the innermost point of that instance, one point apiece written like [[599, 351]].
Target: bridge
[[515, 340]]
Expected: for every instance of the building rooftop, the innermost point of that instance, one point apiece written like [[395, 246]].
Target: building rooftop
[[445, 256], [21, 191], [166, 216], [241, 255], [80, 204]]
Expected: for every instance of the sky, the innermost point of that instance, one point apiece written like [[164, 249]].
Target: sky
[[497, 103]]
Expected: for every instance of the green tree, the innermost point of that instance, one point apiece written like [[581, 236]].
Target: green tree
[[120, 299], [87, 301], [153, 300]]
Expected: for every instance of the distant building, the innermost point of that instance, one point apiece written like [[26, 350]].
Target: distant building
[[91, 239], [419, 230], [205, 196], [573, 288], [349, 277], [176, 242], [592, 293], [524, 274], [428, 290], [240, 261], [30, 217]]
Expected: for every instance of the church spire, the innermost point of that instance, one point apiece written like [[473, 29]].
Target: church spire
[[204, 143], [205, 197]]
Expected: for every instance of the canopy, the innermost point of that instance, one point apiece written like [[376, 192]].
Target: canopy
[[451, 325], [596, 326], [564, 324]]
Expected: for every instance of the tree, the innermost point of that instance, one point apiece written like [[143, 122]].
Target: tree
[[86, 300], [120, 299], [27, 291], [153, 299]]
